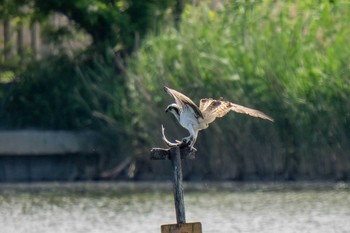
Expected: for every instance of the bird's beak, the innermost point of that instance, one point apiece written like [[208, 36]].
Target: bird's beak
[[167, 109]]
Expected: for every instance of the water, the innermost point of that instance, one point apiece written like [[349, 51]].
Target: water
[[143, 207]]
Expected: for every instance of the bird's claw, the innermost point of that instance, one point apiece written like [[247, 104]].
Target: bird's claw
[[186, 141], [183, 143]]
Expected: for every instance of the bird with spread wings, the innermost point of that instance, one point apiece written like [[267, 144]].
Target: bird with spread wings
[[194, 118]]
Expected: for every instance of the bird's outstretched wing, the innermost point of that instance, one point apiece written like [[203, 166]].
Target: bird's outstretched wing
[[212, 109], [181, 100]]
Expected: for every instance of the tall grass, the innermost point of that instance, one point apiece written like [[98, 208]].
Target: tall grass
[[289, 59]]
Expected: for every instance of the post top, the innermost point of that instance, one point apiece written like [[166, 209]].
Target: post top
[[167, 153], [186, 151]]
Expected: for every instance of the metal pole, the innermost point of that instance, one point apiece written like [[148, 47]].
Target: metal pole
[[178, 188]]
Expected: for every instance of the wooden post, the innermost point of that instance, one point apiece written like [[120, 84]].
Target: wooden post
[[178, 188], [176, 153]]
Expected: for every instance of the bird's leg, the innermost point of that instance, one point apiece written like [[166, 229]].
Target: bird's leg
[[193, 142], [191, 139], [187, 140]]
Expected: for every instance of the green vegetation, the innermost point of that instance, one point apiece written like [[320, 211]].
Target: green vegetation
[[74, 88], [65, 96], [77, 84], [109, 23], [287, 59]]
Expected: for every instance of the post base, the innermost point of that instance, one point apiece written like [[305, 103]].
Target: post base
[[195, 227]]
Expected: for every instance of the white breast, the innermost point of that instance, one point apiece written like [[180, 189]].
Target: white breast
[[189, 121], [187, 118]]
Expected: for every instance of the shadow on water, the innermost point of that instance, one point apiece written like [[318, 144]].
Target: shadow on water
[[134, 207]]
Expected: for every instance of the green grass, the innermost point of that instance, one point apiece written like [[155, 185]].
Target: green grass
[[289, 60]]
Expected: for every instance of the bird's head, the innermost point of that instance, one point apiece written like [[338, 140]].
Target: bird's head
[[174, 109]]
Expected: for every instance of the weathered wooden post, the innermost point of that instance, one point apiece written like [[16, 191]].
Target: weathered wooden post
[[176, 153], [178, 188]]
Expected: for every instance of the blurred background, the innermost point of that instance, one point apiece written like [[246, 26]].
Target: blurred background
[[81, 88], [82, 101]]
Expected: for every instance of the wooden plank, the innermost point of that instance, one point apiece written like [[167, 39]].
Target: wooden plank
[[163, 154], [160, 154], [195, 227]]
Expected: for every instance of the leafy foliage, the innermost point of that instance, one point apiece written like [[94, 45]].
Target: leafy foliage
[[72, 89], [74, 95], [288, 59], [109, 23]]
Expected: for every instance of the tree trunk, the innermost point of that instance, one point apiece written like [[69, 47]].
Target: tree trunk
[[179, 7], [7, 39], [34, 39], [20, 41]]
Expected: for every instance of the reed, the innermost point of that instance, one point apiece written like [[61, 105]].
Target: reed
[[288, 59]]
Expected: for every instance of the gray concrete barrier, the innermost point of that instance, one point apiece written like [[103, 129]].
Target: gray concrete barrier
[[30, 155]]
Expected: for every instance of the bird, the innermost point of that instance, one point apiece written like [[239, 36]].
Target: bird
[[195, 119]]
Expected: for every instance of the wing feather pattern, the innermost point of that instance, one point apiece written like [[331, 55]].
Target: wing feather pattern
[[218, 108], [249, 111], [181, 100]]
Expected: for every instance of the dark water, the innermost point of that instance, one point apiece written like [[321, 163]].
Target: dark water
[[143, 207]]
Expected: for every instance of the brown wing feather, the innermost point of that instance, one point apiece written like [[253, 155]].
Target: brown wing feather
[[218, 108], [249, 111], [204, 103], [181, 100], [214, 108]]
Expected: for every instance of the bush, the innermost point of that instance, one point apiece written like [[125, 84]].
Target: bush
[[66, 93], [288, 59]]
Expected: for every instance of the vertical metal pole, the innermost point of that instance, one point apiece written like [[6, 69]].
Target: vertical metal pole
[[178, 188]]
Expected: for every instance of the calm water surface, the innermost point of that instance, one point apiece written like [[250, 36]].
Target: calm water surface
[[143, 207]]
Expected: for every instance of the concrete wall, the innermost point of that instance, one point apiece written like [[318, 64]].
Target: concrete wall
[[49, 155]]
